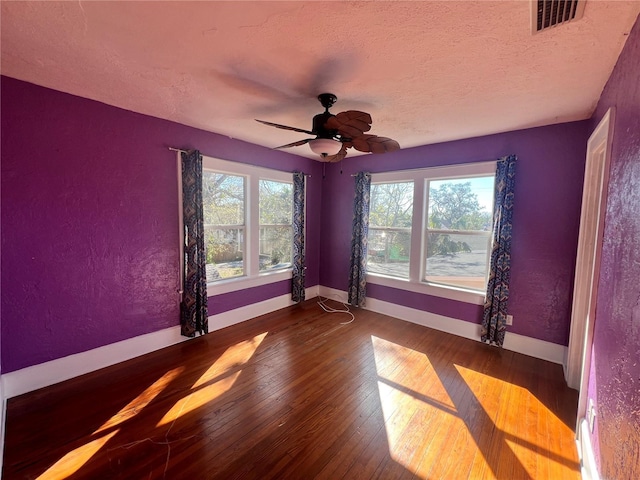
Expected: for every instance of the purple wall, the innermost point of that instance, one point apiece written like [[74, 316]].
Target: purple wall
[[615, 368], [545, 223], [89, 222]]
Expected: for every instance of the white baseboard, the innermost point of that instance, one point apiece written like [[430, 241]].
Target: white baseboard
[[61, 369], [38, 376], [226, 319], [518, 343], [588, 466], [48, 373]]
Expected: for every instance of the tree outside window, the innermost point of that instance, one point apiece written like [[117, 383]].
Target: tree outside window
[[276, 232], [223, 198], [390, 219], [458, 231]]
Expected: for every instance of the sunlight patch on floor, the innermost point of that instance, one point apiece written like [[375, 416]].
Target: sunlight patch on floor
[[521, 453], [239, 354], [216, 380], [408, 404], [200, 397], [486, 389], [405, 369], [519, 425], [137, 404], [75, 459]]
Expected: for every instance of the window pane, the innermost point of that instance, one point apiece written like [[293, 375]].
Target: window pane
[[223, 198], [276, 203], [391, 205], [458, 259], [388, 252], [461, 204], [276, 235], [390, 217], [275, 247], [224, 252]]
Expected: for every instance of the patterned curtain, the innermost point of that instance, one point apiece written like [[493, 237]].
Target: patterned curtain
[[358, 268], [495, 306], [297, 286], [193, 308]]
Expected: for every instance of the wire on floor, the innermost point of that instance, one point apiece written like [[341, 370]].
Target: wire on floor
[[328, 309]]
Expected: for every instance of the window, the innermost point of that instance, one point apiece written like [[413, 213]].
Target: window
[[430, 230], [390, 219], [248, 224], [276, 231]]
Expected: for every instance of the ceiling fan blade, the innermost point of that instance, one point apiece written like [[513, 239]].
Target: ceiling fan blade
[[338, 156], [245, 81], [350, 124], [294, 144], [285, 127], [375, 144]]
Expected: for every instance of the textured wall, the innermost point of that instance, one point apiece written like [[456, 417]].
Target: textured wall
[[545, 223], [89, 222], [615, 370]]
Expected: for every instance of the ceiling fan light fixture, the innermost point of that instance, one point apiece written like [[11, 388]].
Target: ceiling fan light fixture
[[325, 147]]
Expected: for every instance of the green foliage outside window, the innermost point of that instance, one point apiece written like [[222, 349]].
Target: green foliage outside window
[[453, 206], [223, 202], [276, 214]]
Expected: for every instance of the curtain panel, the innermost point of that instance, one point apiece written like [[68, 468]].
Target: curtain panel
[[494, 317], [193, 308], [358, 265], [298, 275]]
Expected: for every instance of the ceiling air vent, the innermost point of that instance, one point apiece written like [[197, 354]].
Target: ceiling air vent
[[549, 13]]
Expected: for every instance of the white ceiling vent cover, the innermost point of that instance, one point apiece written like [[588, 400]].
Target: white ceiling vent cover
[[549, 13]]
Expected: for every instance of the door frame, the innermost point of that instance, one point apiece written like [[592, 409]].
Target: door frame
[[594, 200]]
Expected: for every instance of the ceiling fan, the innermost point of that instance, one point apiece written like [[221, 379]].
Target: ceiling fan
[[334, 134]]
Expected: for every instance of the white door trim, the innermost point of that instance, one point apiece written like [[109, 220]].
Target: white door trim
[[594, 198]]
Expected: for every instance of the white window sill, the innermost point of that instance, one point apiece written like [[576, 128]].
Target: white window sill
[[443, 291], [242, 283]]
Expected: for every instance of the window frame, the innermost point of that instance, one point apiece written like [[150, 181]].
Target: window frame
[[253, 276], [417, 263]]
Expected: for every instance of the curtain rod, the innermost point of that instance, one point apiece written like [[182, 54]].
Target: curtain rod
[[173, 149], [177, 150]]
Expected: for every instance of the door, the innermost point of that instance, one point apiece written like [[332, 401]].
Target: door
[[588, 259]]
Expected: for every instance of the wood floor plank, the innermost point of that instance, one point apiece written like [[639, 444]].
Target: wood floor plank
[[300, 394]]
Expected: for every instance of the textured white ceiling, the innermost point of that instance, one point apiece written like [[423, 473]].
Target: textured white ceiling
[[426, 71]]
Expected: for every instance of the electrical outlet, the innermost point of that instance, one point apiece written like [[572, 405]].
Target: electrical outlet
[[509, 319]]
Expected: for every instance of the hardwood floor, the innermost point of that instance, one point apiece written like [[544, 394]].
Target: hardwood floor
[[296, 394]]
